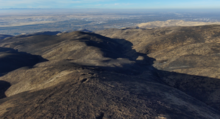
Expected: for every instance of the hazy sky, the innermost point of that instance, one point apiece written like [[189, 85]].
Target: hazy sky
[[134, 4]]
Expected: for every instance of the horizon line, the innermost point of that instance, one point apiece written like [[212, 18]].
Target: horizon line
[[122, 8]]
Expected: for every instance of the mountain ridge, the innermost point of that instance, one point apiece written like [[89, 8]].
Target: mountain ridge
[[87, 75], [172, 23]]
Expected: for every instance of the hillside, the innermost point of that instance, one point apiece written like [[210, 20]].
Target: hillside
[[179, 51], [118, 74], [169, 23]]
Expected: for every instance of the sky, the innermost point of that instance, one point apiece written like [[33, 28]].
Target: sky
[[112, 4]]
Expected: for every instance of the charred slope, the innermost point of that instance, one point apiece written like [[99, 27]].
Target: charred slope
[[91, 76]]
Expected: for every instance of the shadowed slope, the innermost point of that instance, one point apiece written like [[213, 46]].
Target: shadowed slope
[[3, 87], [2, 36], [184, 50], [11, 59]]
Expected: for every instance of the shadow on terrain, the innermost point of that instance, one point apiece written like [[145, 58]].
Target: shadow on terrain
[[11, 59], [112, 48], [199, 87], [202, 88], [3, 87], [100, 116], [4, 36]]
